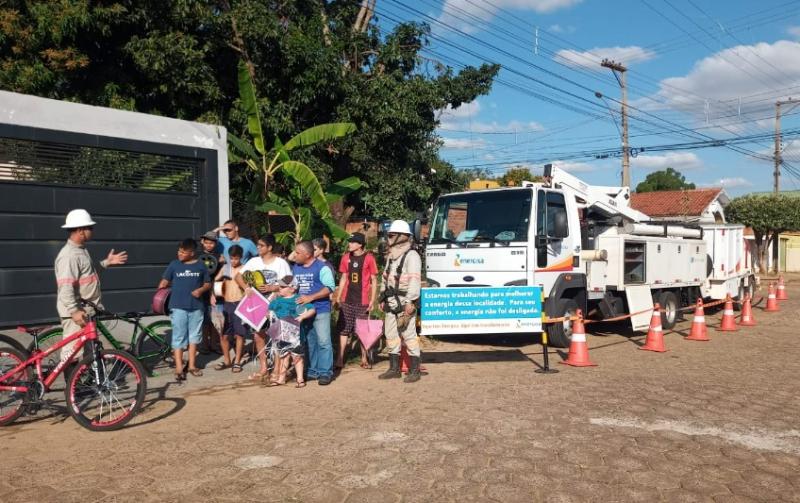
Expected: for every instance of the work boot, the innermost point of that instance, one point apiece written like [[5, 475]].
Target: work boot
[[413, 370], [394, 368]]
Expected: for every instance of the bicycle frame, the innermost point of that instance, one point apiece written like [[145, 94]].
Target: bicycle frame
[[84, 335], [111, 339]]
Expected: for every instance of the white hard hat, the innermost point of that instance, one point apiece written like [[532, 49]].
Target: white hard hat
[[78, 218], [400, 227]]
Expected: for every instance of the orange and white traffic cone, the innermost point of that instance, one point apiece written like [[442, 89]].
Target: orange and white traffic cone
[[405, 360], [699, 331], [772, 300], [578, 350], [747, 319], [781, 293], [655, 336], [728, 318]]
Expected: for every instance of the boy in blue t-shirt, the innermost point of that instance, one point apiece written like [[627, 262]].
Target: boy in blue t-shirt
[[189, 280]]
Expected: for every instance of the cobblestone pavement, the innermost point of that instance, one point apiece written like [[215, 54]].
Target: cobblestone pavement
[[706, 421]]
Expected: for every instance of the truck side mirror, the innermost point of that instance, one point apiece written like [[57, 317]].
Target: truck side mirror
[[560, 228]]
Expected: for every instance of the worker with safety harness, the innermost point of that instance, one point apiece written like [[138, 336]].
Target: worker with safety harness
[[399, 294]]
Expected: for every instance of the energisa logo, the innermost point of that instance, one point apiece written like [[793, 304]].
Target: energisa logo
[[459, 261]]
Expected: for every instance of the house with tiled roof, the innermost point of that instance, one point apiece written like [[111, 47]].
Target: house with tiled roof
[[696, 205]]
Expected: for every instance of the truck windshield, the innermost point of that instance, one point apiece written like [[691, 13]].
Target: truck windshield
[[493, 216]]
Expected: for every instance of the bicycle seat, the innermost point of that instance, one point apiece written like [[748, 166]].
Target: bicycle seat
[[33, 332]]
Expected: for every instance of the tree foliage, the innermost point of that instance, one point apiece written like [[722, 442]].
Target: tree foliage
[[768, 216], [313, 62], [515, 176], [668, 179]]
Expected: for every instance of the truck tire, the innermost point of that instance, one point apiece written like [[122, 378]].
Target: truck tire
[[559, 335], [669, 309]]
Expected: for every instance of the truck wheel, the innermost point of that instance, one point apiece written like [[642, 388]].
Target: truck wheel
[[559, 335], [669, 309]]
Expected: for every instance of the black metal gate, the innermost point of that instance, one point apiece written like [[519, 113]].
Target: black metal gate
[[145, 198]]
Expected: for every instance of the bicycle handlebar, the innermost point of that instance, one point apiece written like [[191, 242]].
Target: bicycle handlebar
[[104, 312]]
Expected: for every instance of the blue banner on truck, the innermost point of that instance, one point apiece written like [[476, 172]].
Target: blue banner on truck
[[452, 311]]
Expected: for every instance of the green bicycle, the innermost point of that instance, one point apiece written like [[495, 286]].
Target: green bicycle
[[150, 343]]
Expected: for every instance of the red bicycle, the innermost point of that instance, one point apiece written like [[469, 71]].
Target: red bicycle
[[104, 390]]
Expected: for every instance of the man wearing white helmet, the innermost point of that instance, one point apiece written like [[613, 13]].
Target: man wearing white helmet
[[76, 276], [399, 292]]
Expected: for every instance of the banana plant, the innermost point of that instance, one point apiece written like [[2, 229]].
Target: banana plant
[[268, 162], [302, 217]]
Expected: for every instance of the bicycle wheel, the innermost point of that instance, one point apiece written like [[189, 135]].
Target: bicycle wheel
[[154, 343], [12, 403], [47, 339], [109, 404], [10, 342]]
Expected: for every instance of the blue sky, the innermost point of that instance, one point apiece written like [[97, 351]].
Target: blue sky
[[698, 70]]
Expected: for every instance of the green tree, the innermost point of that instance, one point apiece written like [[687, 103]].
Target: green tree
[[668, 179], [515, 176], [768, 216], [313, 62]]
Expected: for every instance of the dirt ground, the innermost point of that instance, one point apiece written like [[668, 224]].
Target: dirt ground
[[706, 421]]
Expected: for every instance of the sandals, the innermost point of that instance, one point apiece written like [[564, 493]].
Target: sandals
[[222, 366], [236, 368], [196, 372], [366, 365], [300, 384], [180, 376]]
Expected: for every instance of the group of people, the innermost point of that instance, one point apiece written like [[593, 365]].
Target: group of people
[[300, 286]]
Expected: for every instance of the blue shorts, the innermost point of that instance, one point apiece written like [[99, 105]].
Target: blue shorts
[[187, 327], [233, 324]]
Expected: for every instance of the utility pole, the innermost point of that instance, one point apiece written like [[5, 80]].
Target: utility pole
[[776, 186], [619, 74]]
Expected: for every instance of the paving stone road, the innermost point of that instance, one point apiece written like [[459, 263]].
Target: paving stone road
[[707, 421]]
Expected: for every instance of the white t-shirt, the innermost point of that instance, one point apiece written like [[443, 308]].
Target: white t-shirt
[[272, 272]]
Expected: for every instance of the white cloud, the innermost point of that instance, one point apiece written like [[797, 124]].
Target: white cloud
[[593, 57], [757, 74], [462, 143], [573, 167], [508, 127], [557, 28], [461, 14], [793, 31], [464, 111], [730, 183], [679, 161]]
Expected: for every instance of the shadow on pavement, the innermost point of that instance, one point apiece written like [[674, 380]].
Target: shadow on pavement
[[512, 355], [158, 396]]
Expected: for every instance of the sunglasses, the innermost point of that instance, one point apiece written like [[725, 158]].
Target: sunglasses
[[227, 230]]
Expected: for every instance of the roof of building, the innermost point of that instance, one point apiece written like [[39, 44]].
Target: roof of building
[[675, 202]]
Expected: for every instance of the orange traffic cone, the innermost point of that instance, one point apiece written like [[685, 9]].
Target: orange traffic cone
[[578, 350], [728, 318], [747, 319], [772, 300], [781, 293], [699, 331], [655, 336], [405, 360]]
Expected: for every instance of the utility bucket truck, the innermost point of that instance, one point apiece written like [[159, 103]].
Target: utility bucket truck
[[507, 260]]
